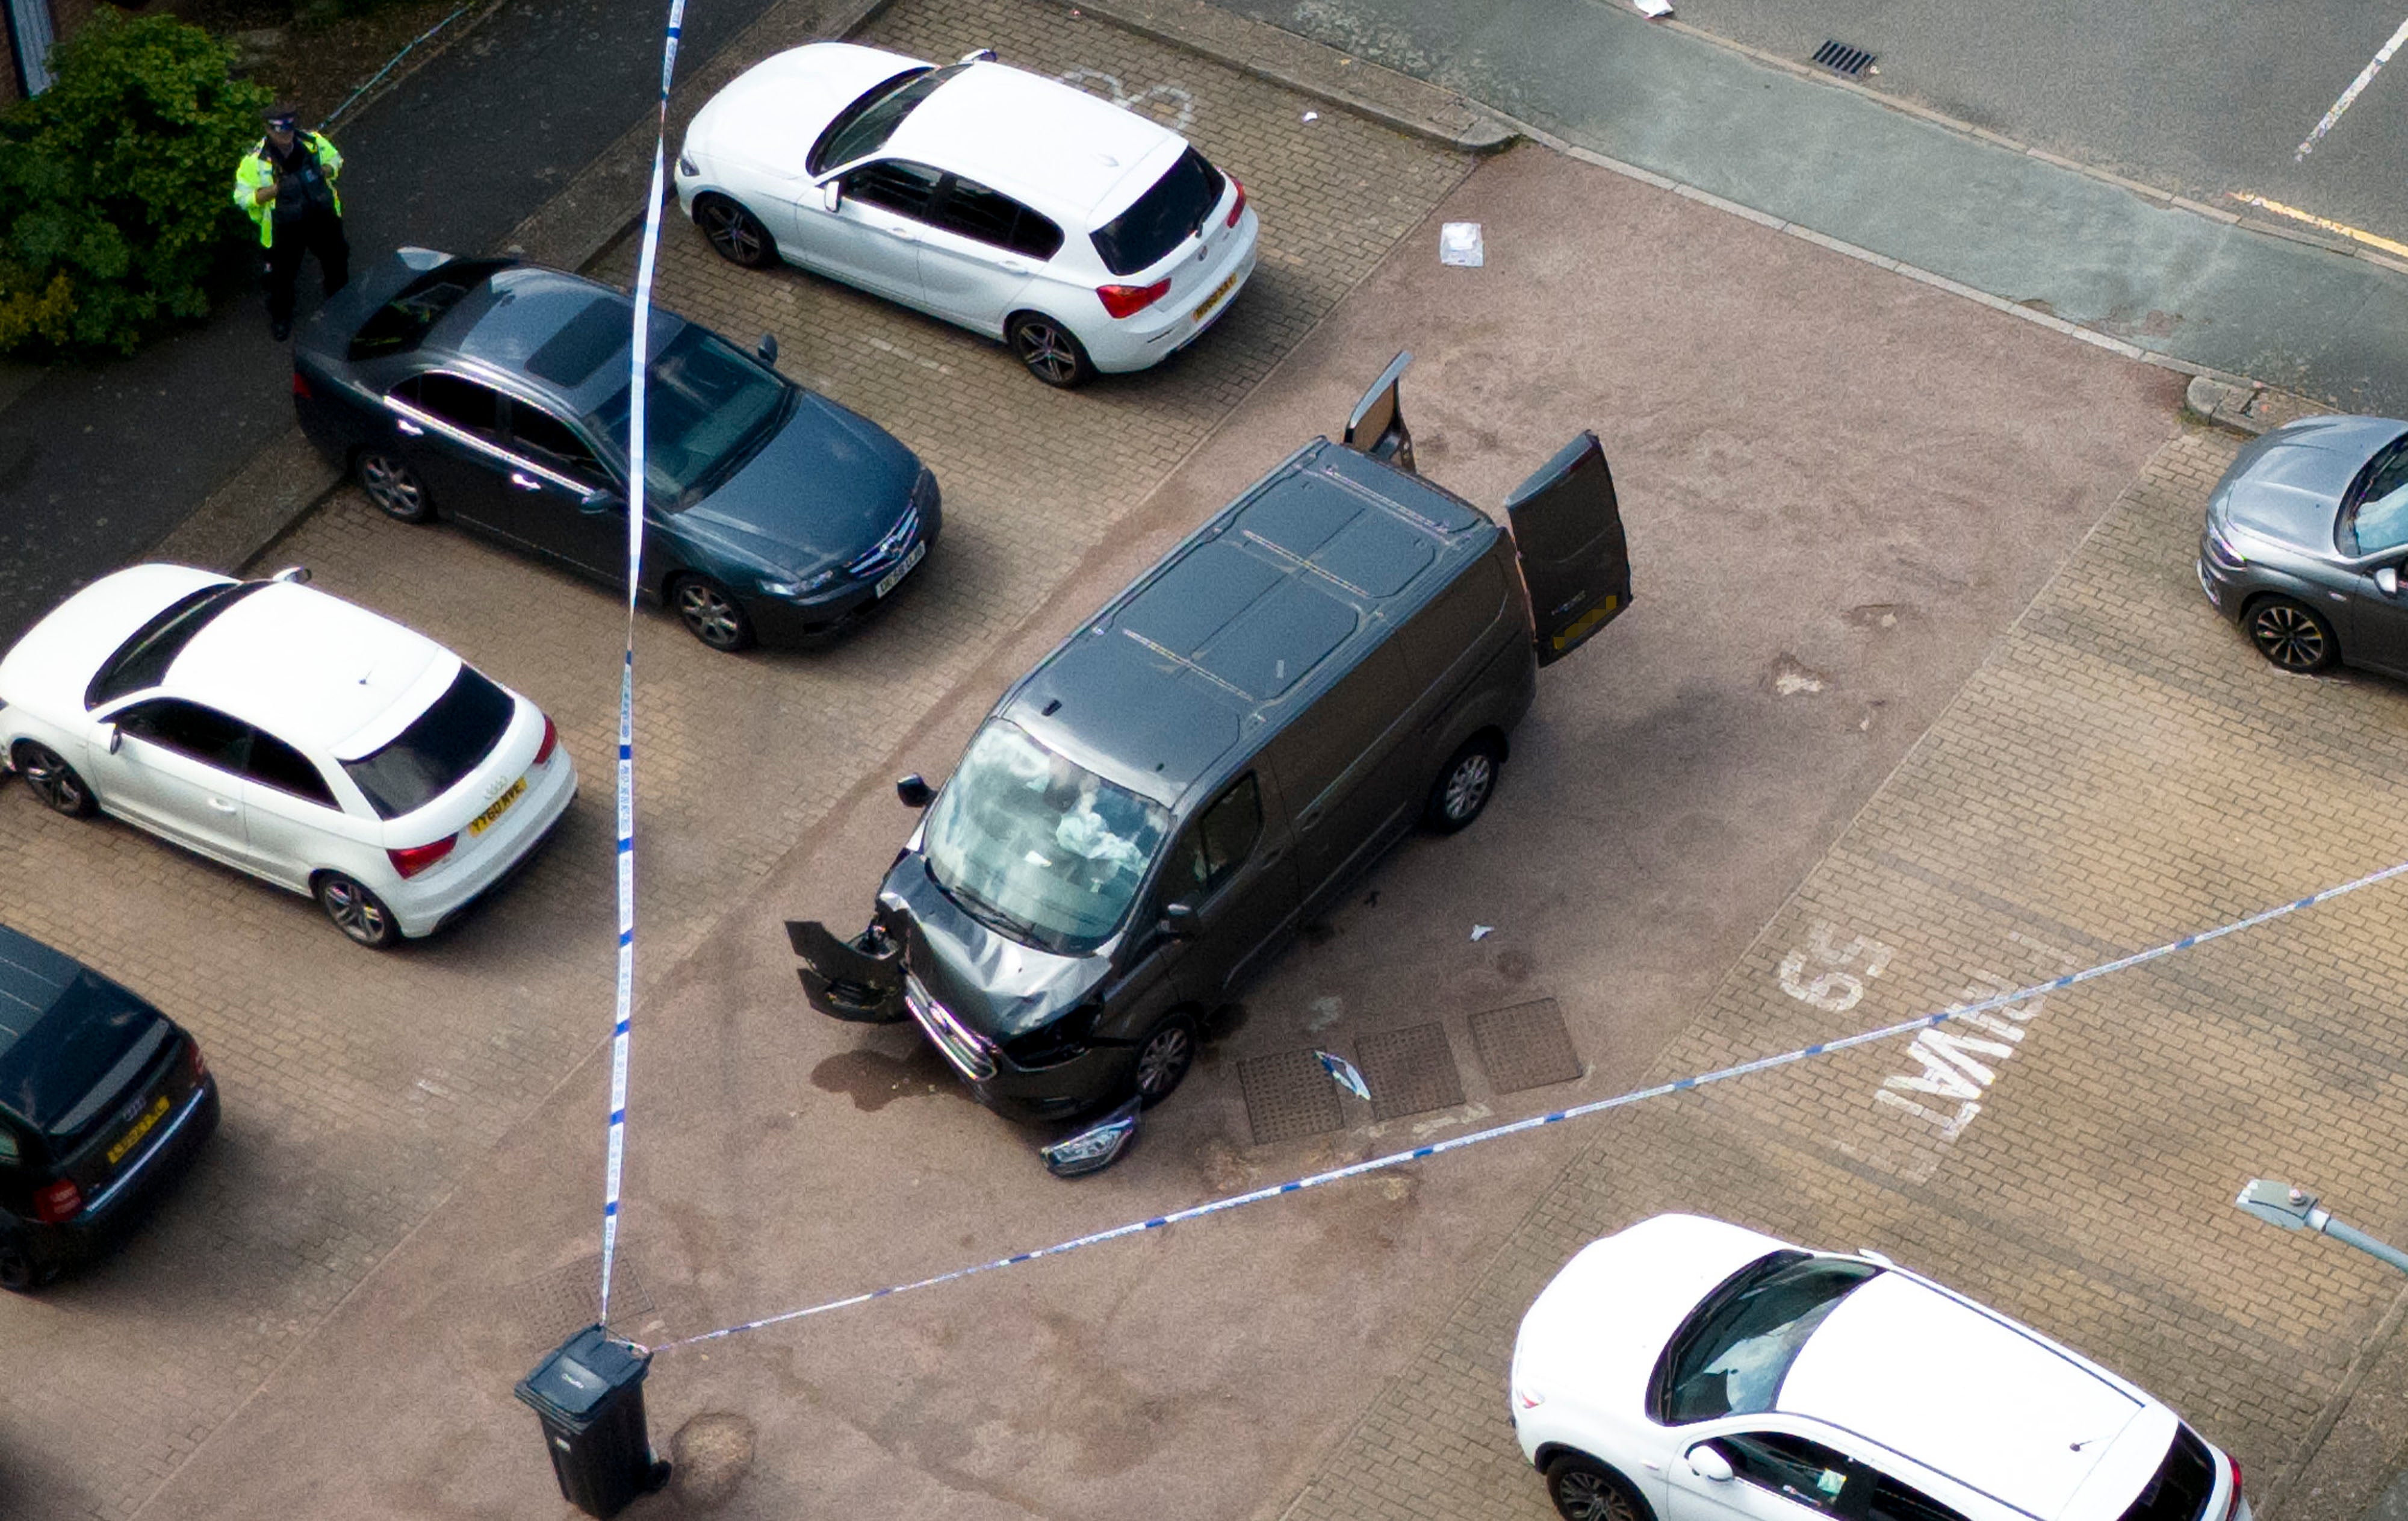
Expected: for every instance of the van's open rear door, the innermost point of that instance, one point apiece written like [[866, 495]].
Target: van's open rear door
[[849, 978], [1377, 426], [1568, 531]]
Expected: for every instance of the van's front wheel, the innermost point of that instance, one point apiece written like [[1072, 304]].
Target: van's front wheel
[[1163, 1058], [1465, 783]]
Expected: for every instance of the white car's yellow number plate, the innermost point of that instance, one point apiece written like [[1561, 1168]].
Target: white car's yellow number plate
[[500, 806]]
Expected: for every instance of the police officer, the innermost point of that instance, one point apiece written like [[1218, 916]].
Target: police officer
[[286, 184]]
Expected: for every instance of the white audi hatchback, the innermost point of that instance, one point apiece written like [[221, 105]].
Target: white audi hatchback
[[1692, 1370], [287, 734], [1083, 235]]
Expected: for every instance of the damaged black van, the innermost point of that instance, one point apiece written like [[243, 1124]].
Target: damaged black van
[[1207, 762]]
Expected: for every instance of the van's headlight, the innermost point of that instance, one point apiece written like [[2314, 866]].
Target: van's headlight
[[796, 588], [1059, 1040]]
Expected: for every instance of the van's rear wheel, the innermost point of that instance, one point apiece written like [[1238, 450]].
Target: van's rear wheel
[[1465, 784]]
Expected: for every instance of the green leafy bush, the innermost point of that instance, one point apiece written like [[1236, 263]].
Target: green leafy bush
[[116, 185]]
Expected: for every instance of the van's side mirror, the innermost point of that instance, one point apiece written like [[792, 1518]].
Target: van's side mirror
[[1707, 1461], [1179, 921], [2386, 581], [115, 738], [832, 195], [292, 575], [767, 349], [598, 502], [914, 791]]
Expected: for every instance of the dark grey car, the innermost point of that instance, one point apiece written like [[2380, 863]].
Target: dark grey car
[[497, 394], [2306, 541]]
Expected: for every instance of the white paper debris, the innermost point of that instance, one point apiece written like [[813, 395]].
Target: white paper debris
[[1657, 8], [1311, 117], [1459, 243], [1480, 932]]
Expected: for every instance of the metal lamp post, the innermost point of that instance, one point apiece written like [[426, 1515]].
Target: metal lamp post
[[2296, 1209]]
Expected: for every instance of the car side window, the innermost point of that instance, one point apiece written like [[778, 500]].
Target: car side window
[[896, 185], [552, 442], [991, 217], [463, 404], [1791, 1466], [1216, 844], [12, 1149], [1891, 1501], [276, 763], [190, 729]]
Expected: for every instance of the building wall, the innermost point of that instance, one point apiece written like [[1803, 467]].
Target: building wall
[[66, 19]]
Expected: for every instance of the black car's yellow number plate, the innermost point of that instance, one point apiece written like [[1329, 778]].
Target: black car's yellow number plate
[[133, 1138], [500, 806]]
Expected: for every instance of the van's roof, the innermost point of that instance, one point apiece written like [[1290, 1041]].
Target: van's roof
[[1249, 620]]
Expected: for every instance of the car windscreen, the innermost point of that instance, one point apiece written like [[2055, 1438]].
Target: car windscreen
[[402, 323], [1036, 847], [2179, 1490], [141, 662], [2378, 500], [707, 408], [455, 734], [94, 1036], [1162, 218], [1730, 1355], [863, 127]]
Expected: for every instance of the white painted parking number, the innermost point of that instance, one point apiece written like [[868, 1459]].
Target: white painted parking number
[[1831, 977], [1095, 81]]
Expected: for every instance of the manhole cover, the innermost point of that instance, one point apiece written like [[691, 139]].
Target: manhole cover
[[1409, 1071], [1840, 59], [1288, 1096], [569, 1298], [1526, 1046]]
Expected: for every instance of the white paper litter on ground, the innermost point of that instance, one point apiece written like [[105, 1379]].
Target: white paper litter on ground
[[1657, 8], [1459, 243], [1480, 932]]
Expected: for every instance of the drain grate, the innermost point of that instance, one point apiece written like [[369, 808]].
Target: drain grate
[[1409, 1071], [1289, 1095], [1840, 59], [1526, 1046], [568, 1299]]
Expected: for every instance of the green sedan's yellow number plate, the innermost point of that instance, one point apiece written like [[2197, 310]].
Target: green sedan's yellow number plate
[[501, 805], [1214, 299], [133, 1138]]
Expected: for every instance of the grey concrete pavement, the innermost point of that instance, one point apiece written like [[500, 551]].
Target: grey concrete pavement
[[1668, 791], [2189, 286], [2198, 98]]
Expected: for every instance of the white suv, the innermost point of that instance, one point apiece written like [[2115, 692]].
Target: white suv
[[1083, 235], [1692, 1370], [287, 734]]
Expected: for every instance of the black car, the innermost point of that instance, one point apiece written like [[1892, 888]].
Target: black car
[[497, 394], [103, 1102]]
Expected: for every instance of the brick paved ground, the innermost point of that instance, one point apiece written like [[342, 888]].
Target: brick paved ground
[[2123, 769], [359, 1087]]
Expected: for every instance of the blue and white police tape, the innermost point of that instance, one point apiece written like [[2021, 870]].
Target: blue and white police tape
[[374, 80], [638, 363], [1762, 1064]]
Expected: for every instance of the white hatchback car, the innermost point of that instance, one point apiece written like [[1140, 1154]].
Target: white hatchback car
[[287, 734], [1083, 235], [1694, 1371]]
